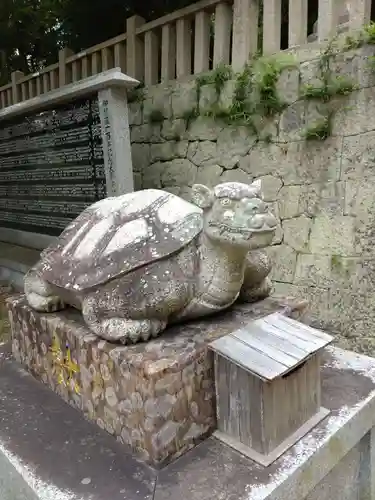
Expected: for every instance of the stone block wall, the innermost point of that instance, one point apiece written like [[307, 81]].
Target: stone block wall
[[323, 191]]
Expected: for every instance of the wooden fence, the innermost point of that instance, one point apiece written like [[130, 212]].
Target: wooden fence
[[188, 41]]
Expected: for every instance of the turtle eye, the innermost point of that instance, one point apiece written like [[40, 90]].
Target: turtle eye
[[226, 202]]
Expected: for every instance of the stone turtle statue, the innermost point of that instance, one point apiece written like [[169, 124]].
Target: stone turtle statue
[[135, 263]]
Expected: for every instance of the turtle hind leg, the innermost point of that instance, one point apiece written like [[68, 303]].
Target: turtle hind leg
[[39, 294], [117, 329]]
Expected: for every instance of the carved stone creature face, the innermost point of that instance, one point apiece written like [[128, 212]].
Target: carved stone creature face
[[235, 214]]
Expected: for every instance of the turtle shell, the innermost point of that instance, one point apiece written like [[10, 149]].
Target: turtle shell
[[117, 235]]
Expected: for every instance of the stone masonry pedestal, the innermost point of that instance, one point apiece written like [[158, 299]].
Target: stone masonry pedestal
[[157, 397]]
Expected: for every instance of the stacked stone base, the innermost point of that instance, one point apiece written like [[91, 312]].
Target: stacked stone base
[[157, 397]]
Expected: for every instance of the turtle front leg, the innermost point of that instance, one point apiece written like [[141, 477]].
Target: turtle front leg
[[257, 284], [40, 295], [119, 329]]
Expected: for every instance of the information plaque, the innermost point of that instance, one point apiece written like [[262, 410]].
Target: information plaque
[[51, 167]]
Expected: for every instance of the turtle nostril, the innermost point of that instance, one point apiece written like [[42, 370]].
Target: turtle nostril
[[256, 222]]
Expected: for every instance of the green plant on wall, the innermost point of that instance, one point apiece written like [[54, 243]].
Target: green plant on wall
[[328, 85], [266, 73], [156, 116], [137, 94], [319, 130], [328, 88], [217, 77], [336, 263], [254, 90]]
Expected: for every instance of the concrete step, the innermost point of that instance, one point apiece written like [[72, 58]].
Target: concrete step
[[49, 452], [15, 261]]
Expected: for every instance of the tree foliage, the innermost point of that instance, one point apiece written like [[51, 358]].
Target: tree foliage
[[29, 35], [86, 22], [32, 31]]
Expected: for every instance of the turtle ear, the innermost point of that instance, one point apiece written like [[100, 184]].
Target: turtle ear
[[257, 187], [202, 196]]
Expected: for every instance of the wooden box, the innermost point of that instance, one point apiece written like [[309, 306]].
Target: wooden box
[[268, 387]]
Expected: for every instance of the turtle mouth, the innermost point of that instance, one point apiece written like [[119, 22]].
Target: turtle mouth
[[245, 232]]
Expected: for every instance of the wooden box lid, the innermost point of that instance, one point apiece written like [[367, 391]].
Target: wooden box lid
[[272, 346]]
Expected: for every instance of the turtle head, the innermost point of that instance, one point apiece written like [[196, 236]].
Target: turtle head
[[235, 214]]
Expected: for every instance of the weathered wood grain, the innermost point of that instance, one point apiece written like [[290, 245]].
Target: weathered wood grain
[[268, 389], [262, 346], [246, 357], [272, 346]]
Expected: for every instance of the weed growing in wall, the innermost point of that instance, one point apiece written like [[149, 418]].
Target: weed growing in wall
[[320, 130], [217, 77], [190, 115], [324, 89], [336, 263], [328, 84], [137, 94], [255, 94], [156, 116], [255, 97], [328, 88], [366, 36], [265, 77]]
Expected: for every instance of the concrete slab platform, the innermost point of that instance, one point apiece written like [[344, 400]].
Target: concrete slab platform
[[15, 261], [157, 397], [56, 454]]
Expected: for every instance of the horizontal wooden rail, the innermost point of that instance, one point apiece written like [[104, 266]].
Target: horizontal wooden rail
[[97, 48], [179, 14]]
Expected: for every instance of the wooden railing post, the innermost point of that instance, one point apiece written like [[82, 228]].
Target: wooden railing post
[[135, 54], [183, 48], [95, 63], [271, 26], [53, 78], [223, 25], [168, 52], [16, 75], [3, 100], [151, 58], [202, 42], [46, 83], [360, 13], [64, 73], [245, 32], [328, 18], [38, 85], [119, 56], [297, 22]]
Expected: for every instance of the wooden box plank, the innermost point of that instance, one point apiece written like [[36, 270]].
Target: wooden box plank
[[271, 346], [298, 329], [262, 346], [247, 358], [268, 392], [236, 415]]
